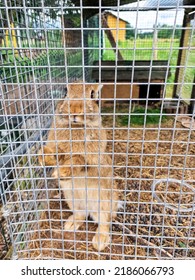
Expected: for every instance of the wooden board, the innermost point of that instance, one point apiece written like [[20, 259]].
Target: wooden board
[[140, 70]]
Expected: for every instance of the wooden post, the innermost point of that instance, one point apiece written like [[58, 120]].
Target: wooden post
[[182, 55], [13, 38], [155, 44], [192, 102], [86, 51], [110, 36], [63, 30]]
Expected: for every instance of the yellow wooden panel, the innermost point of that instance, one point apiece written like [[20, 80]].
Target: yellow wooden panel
[[117, 24]]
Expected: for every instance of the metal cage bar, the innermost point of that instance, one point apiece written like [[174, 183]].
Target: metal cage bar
[[71, 69]]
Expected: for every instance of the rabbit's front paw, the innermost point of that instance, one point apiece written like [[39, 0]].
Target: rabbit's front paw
[[70, 225], [61, 173], [73, 223], [46, 157], [65, 172], [100, 241]]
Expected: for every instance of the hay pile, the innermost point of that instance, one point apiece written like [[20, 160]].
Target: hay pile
[[143, 228]]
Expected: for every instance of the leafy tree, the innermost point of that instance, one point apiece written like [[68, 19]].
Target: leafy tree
[[145, 35], [130, 32], [167, 32], [16, 14]]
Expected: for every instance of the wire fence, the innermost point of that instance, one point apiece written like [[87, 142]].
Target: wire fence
[[97, 130]]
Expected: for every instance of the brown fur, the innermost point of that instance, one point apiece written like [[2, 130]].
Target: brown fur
[[84, 167]]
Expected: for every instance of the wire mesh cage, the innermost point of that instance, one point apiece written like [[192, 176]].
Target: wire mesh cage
[[97, 129]]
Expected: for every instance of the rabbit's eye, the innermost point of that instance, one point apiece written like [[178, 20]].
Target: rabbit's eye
[[92, 94]]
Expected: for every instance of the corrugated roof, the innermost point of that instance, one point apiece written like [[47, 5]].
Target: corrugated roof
[[130, 5], [92, 7], [163, 3], [145, 19], [166, 12], [89, 12], [154, 5]]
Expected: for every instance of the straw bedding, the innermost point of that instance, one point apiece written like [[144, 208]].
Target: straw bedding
[[143, 228]]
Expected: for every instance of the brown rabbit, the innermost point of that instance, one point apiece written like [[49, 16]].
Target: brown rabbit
[[77, 147]]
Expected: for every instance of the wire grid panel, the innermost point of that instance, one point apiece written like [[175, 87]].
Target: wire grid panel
[[55, 158]]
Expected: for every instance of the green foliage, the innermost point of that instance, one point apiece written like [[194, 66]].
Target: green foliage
[[38, 3], [18, 16], [167, 32], [140, 116], [23, 68], [146, 35], [130, 31], [181, 244]]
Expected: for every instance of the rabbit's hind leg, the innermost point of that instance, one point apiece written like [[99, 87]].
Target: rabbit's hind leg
[[101, 238], [74, 221]]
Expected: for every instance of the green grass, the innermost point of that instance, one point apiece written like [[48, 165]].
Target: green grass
[[140, 116], [141, 49]]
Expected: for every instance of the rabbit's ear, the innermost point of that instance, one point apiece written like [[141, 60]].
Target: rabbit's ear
[[95, 88]]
